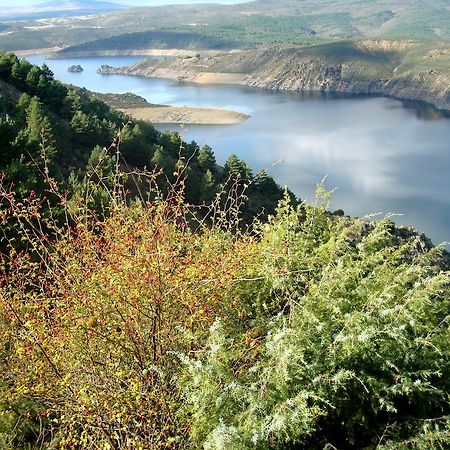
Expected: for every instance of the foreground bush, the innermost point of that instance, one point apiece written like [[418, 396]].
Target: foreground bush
[[355, 355], [93, 317], [133, 331]]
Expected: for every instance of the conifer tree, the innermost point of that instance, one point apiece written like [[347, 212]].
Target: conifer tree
[[208, 187], [237, 169], [206, 158], [160, 159], [39, 130]]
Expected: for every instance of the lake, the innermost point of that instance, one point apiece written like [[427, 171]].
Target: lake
[[380, 155]]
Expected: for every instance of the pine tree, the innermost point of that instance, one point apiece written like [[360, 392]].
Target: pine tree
[[161, 160], [72, 103], [237, 169], [7, 133], [206, 159], [100, 163], [82, 125], [19, 72], [6, 63], [208, 187], [32, 79], [46, 72], [134, 148], [39, 130]]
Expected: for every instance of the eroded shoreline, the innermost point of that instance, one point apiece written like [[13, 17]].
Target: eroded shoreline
[[139, 108], [416, 71], [186, 115]]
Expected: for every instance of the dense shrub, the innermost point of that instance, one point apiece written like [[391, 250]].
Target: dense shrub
[[350, 350], [94, 315], [147, 329]]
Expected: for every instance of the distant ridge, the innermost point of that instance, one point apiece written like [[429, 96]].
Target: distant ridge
[[79, 4], [57, 9]]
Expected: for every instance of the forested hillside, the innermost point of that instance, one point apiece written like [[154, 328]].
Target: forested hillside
[[246, 25], [49, 130], [263, 22]]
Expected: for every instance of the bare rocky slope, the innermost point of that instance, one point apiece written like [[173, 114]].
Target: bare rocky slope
[[405, 69]]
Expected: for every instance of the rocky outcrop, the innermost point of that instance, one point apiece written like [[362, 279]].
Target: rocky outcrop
[[75, 69], [105, 69], [306, 76], [428, 86]]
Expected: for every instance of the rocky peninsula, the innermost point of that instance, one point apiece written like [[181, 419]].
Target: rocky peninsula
[[139, 108], [404, 69]]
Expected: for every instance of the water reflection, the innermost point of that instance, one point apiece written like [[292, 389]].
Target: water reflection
[[379, 155], [423, 110], [382, 155]]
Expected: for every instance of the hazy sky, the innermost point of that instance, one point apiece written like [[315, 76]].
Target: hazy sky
[[9, 3]]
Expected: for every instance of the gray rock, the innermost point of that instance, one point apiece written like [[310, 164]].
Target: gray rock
[[75, 69], [104, 68]]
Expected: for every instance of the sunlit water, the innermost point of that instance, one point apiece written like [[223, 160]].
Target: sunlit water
[[382, 155]]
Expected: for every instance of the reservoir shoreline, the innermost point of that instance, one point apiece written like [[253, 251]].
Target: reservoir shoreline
[[403, 69], [295, 69], [165, 114], [214, 78], [392, 155]]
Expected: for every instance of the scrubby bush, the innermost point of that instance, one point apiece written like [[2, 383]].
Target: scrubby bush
[[95, 313], [348, 344], [159, 326]]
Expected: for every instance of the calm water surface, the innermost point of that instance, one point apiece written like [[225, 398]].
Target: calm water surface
[[382, 155]]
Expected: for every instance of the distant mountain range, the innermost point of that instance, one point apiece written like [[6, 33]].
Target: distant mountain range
[[119, 27], [56, 9], [178, 2]]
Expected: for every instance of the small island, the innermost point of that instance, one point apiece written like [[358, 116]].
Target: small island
[[75, 69]]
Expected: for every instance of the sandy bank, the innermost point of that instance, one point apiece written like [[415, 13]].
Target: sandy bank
[[217, 78], [185, 115]]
